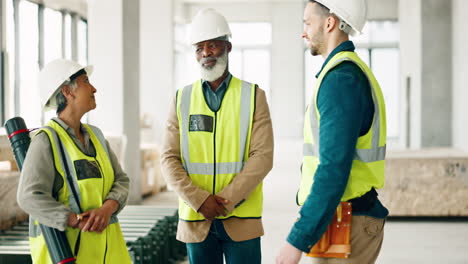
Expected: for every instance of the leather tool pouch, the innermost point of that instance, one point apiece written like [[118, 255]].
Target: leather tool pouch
[[335, 242]]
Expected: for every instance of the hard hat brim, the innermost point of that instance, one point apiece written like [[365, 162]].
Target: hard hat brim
[[223, 38]]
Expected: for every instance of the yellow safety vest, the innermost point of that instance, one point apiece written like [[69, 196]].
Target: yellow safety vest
[[215, 145], [367, 170], [92, 189]]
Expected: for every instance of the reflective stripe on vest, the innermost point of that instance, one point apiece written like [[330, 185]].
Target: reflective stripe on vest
[[368, 164], [92, 189], [212, 158]]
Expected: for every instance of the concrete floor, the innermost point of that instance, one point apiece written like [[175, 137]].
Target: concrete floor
[[405, 242]]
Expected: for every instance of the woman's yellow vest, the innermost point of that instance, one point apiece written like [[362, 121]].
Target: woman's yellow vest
[[367, 170], [215, 145], [92, 189]]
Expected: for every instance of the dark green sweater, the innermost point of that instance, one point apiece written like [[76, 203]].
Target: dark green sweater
[[346, 112]]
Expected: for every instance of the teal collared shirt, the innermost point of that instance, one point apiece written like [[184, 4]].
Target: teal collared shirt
[[346, 111], [214, 98]]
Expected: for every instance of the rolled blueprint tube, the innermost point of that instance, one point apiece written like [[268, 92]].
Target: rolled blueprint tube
[[56, 240]]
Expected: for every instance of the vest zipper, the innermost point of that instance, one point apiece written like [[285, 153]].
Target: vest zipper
[[105, 251], [102, 176], [103, 186], [214, 154]]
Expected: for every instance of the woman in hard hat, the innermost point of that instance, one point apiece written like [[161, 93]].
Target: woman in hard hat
[[71, 179]]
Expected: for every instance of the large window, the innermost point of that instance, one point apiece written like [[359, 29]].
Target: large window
[[185, 68], [378, 47], [249, 59], [26, 81], [35, 35], [52, 34]]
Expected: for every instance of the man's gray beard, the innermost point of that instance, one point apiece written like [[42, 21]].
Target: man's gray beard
[[217, 70]]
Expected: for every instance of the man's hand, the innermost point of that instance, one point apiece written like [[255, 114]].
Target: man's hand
[[289, 255], [221, 201], [84, 221], [213, 206]]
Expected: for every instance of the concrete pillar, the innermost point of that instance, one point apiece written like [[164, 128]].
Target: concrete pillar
[[425, 46], [157, 63], [114, 51], [436, 121], [287, 70], [382, 9], [459, 73]]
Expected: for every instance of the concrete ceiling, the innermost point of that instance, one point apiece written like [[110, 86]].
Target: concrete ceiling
[[377, 9], [236, 1]]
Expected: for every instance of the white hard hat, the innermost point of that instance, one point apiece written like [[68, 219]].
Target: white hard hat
[[353, 12], [208, 24], [53, 75]]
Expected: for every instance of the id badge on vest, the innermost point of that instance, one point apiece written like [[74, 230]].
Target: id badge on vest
[[201, 123], [87, 169]]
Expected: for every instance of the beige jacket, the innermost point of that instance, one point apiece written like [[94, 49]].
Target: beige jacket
[[258, 165]]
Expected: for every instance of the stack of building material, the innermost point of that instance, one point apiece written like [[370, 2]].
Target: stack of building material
[[426, 183], [10, 213]]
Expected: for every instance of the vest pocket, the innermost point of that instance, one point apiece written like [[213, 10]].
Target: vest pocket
[[87, 169]]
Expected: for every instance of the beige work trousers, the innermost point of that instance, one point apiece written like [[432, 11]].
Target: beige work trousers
[[366, 240]]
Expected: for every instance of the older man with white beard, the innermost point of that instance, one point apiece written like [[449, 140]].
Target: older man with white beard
[[217, 150]]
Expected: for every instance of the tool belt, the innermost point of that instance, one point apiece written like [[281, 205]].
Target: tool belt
[[335, 242]]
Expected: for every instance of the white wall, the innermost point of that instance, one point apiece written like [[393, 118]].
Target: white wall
[[287, 70], [157, 63], [459, 74], [180, 12], [105, 36]]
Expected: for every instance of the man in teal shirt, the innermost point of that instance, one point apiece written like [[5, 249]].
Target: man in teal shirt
[[214, 97], [347, 110]]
